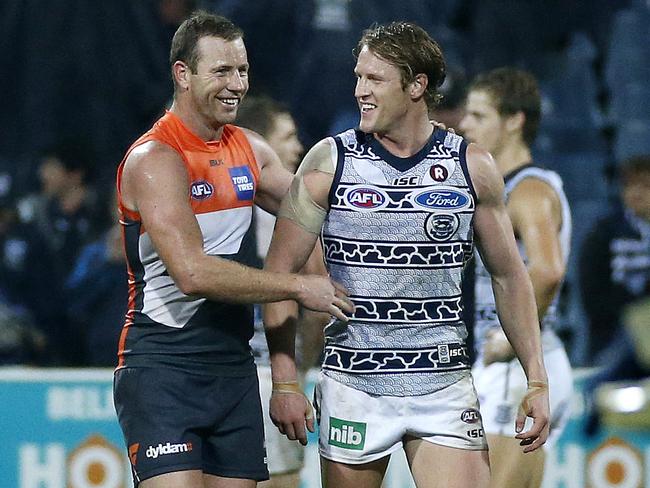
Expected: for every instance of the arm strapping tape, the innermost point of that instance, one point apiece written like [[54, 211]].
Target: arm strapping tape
[[298, 205]]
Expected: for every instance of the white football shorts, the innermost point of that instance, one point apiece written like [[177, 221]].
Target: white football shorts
[[357, 428]]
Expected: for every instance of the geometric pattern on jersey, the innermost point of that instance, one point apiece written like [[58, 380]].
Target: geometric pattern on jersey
[[164, 326], [486, 318], [420, 255], [408, 310], [432, 359], [398, 235]]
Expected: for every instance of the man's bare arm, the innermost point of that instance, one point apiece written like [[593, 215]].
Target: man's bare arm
[[301, 217], [155, 184], [512, 287], [536, 214], [535, 211]]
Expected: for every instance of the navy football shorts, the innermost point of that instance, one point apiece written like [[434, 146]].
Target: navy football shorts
[[176, 421]]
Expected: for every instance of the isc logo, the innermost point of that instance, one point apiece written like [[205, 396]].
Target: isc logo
[[406, 181], [201, 190], [366, 198]]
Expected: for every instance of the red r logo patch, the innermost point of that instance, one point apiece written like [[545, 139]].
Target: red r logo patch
[[438, 172]]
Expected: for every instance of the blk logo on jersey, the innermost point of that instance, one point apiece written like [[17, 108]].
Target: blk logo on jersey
[[441, 227], [200, 190], [470, 416], [438, 172], [366, 198], [242, 182], [449, 199]]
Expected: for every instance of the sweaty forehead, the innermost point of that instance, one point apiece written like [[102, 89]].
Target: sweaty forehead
[[215, 51]]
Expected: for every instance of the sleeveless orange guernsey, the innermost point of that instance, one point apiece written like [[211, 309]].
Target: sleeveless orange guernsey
[[164, 327]]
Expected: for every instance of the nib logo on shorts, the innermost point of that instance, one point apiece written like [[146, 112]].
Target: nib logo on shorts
[[347, 434], [163, 449]]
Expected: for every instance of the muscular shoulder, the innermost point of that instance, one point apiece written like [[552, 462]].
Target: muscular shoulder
[[531, 191], [151, 153], [485, 175], [321, 158], [533, 199], [150, 164]]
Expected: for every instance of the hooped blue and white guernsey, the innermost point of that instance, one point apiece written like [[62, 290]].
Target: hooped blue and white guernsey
[[485, 312], [398, 235]]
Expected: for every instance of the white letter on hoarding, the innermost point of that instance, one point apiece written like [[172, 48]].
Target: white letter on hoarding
[[34, 474], [570, 470]]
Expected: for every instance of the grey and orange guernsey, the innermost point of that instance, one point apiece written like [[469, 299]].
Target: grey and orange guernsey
[[164, 327], [486, 318], [398, 235]]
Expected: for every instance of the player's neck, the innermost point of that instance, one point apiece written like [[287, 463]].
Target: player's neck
[[194, 122], [408, 137], [512, 156]]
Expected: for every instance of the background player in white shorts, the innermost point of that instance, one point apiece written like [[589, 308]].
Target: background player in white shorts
[[274, 122], [396, 203], [503, 112]]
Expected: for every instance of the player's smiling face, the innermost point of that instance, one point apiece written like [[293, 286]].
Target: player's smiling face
[[382, 99], [221, 79]]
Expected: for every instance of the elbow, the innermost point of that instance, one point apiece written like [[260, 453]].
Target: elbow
[[189, 282], [549, 277]]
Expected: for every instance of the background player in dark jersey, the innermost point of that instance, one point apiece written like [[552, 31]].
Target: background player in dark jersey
[[186, 391], [503, 111], [397, 202]]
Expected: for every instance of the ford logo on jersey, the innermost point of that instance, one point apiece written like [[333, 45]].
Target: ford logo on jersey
[[442, 199], [366, 198], [200, 190]]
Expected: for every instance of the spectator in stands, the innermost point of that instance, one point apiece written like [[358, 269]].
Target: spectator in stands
[[67, 209], [615, 261], [97, 295], [66, 215], [24, 290]]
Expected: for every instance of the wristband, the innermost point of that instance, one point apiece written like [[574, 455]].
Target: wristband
[[286, 387], [535, 388]]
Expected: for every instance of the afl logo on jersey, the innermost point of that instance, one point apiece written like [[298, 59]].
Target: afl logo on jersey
[[201, 190], [366, 198], [470, 416], [449, 199], [441, 227]]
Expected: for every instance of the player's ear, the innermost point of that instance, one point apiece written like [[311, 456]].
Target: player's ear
[[515, 121], [419, 85], [181, 73]]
